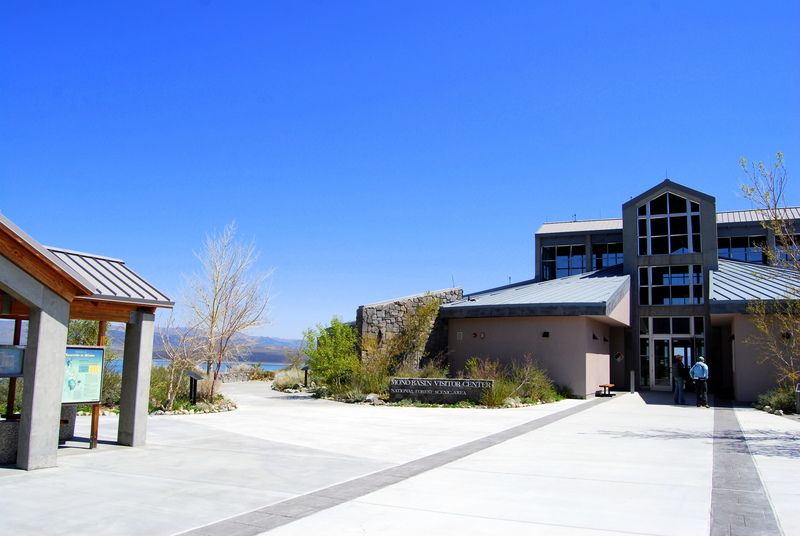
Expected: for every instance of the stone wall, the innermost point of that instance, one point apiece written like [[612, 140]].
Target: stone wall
[[387, 318], [235, 376]]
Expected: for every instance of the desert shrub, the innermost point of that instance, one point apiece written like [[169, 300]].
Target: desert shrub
[[563, 391], [287, 378], [524, 380], [497, 395], [159, 383], [531, 381], [351, 395], [259, 374], [782, 398], [432, 368], [207, 390], [485, 369]]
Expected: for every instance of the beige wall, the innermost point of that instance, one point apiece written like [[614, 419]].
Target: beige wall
[[571, 355], [749, 377], [622, 312]]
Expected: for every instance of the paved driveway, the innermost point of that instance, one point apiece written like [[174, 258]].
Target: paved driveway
[[286, 464]]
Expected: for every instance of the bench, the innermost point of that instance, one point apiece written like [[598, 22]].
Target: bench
[[606, 389]]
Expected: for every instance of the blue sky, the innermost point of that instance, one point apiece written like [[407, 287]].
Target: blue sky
[[376, 149]]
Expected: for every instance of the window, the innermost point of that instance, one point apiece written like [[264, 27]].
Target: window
[[672, 325], [561, 261], [742, 248], [669, 225], [671, 285], [786, 247], [607, 254]]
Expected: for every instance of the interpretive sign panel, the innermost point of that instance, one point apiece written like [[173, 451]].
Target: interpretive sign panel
[[83, 375], [437, 390], [11, 358]]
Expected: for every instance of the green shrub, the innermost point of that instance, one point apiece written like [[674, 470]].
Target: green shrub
[[524, 380], [159, 383], [112, 383], [497, 395], [782, 398], [4, 383], [332, 354], [563, 391], [531, 381]]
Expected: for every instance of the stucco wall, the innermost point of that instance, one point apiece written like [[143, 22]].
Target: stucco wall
[[571, 355], [750, 378]]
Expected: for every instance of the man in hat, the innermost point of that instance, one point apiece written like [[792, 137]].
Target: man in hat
[[699, 373], [679, 376]]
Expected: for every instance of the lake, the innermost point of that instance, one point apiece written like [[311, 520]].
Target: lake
[[117, 365]]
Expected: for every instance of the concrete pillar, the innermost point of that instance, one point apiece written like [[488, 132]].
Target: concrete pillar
[[44, 378], [136, 363]]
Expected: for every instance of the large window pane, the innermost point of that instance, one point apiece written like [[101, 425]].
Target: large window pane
[[681, 325], [678, 225], [659, 205], [660, 296], [677, 204], [659, 226], [679, 244], [661, 325], [660, 245]]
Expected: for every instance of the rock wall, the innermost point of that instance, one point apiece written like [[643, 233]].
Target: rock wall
[[235, 376], [386, 318]]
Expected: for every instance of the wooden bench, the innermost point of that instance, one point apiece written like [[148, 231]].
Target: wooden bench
[[606, 389]]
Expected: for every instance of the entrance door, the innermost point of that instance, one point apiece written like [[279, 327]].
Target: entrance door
[[662, 371], [664, 351]]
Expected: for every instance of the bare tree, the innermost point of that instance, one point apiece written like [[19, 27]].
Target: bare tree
[[766, 189], [777, 321], [226, 298], [184, 348]]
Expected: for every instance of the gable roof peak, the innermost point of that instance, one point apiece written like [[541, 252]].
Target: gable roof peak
[[672, 187]]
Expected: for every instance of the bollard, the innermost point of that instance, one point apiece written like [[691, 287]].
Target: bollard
[[633, 382]]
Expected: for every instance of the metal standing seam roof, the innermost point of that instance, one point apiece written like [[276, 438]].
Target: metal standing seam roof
[[755, 216], [580, 226], [615, 224], [739, 281], [44, 252], [111, 279], [599, 288]]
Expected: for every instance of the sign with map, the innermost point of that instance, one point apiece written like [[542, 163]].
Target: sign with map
[[83, 375], [11, 358]]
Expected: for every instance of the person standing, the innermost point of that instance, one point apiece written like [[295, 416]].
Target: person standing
[[679, 376], [699, 373]]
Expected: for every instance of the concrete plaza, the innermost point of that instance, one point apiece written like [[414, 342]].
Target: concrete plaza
[[287, 464]]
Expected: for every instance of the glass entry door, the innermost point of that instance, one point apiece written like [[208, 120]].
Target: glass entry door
[[664, 351], [662, 338], [661, 362]]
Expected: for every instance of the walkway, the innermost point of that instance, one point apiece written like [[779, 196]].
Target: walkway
[[284, 464]]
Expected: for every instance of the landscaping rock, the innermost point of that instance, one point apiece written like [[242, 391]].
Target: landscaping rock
[[375, 400]]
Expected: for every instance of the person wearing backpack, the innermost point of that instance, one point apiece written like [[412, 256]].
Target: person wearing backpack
[[699, 373]]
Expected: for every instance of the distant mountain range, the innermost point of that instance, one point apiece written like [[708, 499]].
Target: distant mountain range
[[264, 349]]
